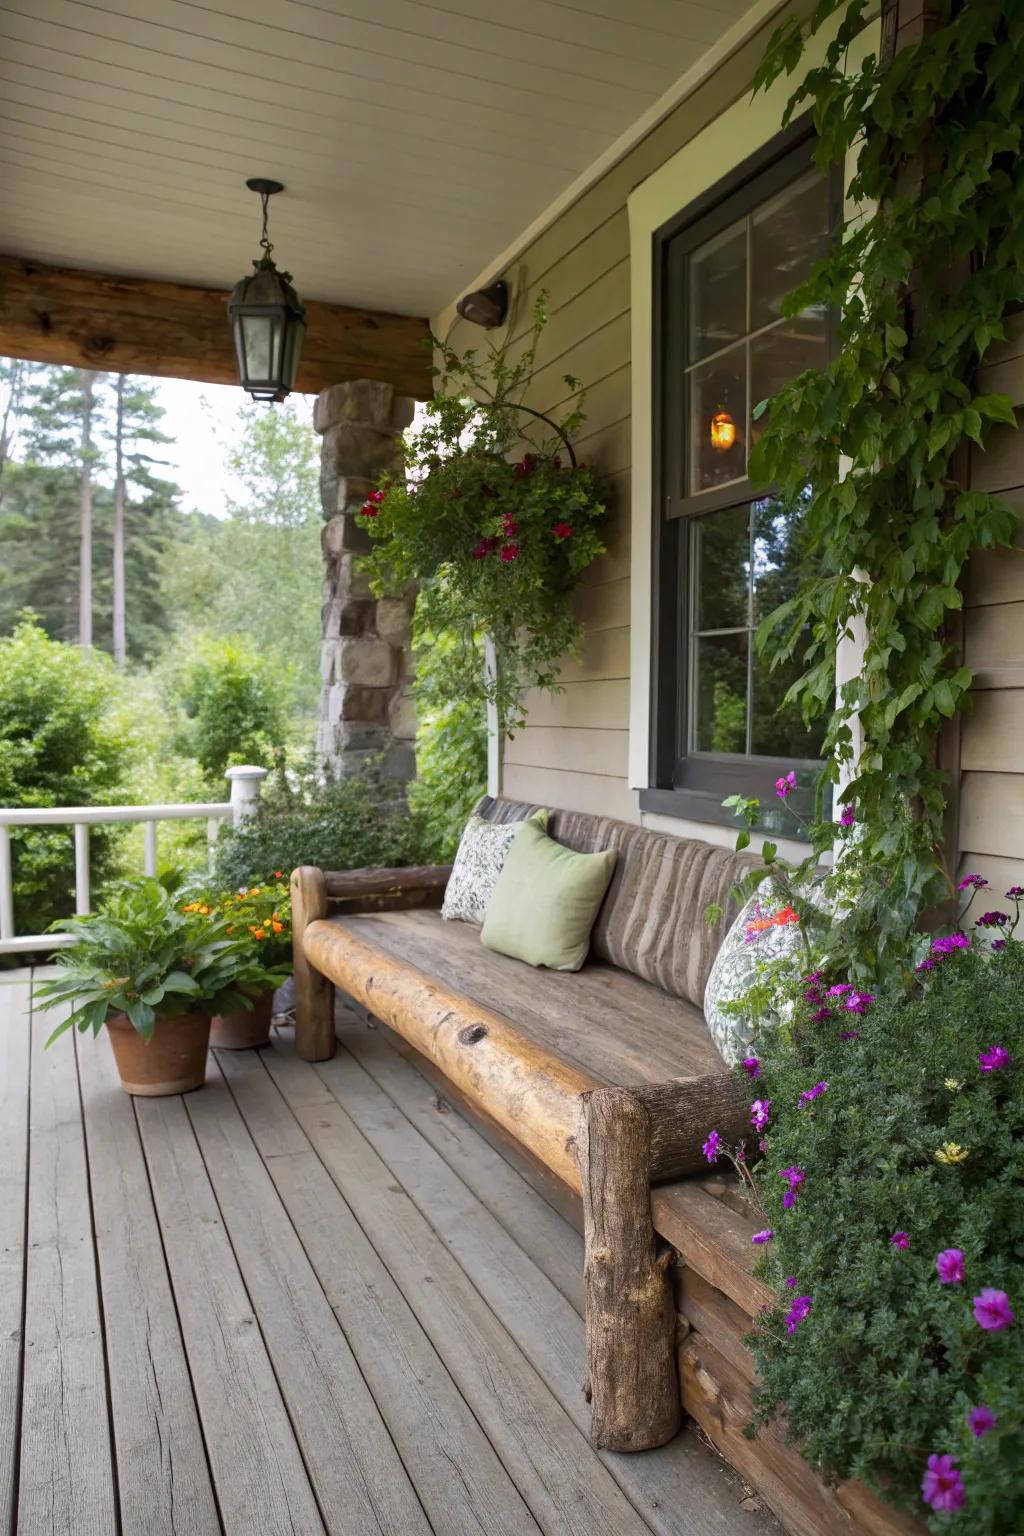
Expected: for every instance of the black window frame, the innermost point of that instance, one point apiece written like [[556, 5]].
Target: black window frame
[[681, 783]]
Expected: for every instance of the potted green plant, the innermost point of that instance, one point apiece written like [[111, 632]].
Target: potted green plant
[[260, 916], [153, 974]]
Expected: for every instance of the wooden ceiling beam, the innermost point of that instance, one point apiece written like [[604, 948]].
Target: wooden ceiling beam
[[132, 325]]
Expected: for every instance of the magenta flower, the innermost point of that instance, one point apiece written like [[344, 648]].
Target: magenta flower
[[797, 1312], [810, 1094], [926, 965], [794, 1176], [849, 1034], [821, 1016], [951, 941], [751, 1066], [711, 1147], [900, 1240], [981, 1419], [791, 1282], [760, 1114], [949, 1266], [972, 882], [998, 943], [763, 1237], [994, 1059], [847, 817], [992, 920], [789, 1199], [942, 1486], [840, 988], [813, 979], [992, 1310], [1015, 893], [786, 785], [859, 1002]]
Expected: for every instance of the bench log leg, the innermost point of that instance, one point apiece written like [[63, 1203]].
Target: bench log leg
[[314, 994], [633, 1382]]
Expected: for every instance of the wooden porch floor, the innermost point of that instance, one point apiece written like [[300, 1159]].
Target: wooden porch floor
[[301, 1300]]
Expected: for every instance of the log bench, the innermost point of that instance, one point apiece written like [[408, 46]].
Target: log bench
[[602, 1084]]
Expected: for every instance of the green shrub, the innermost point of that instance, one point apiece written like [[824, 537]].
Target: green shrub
[[336, 824], [233, 704], [451, 741], [60, 744], [910, 1144]]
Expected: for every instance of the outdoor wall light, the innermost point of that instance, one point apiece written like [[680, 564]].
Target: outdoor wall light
[[267, 318], [723, 432], [487, 306]]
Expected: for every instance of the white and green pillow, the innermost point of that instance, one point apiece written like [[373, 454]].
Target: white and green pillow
[[481, 855]]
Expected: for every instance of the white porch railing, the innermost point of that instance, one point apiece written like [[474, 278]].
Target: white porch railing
[[244, 793]]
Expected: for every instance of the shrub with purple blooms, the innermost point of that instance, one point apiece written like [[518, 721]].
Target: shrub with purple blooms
[[891, 1181]]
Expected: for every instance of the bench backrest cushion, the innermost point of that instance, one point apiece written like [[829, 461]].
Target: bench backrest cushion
[[652, 921]]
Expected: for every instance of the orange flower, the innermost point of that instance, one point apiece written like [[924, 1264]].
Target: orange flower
[[787, 915], [278, 874], [759, 924], [255, 891], [277, 927]]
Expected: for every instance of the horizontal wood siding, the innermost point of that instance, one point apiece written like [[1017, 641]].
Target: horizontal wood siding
[[572, 751], [992, 740]]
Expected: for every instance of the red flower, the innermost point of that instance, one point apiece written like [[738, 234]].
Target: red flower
[[525, 467], [483, 547], [509, 552], [369, 509], [376, 496], [509, 525], [562, 531]]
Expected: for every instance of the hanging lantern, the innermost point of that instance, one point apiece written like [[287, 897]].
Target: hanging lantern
[[267, 318], [723, 432]]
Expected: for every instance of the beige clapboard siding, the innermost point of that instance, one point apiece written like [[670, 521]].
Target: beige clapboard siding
[[605, 606], [603, 705], [594, 793], [992, 813], [604, 654], [993, 733], [1000, 873], [570, 749]]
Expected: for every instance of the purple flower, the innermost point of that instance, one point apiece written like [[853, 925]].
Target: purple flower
[[849, 1034], [942, 1486], [900, 1240], [1015, 893], [791, 1282], [762, 1145], [786, 785], [813, 979], [840, 988], [981, 1419], [789, 1199], [926, 965], [847, 817], [998, 943], [951, 941], [859, 1002], [760, 1114], [751, 1066], [949, 1266], [972, 882], [797, 1312], [821, 1016], [794, 1176], [810, 1094], [994, 1059], [992, 920], [992, 1310], [711, 1147], [763, 1237]]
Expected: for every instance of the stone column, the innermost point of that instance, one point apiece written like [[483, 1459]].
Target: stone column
[[367, 722]]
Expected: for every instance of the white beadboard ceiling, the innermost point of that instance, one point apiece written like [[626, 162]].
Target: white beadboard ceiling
[[416, 138]]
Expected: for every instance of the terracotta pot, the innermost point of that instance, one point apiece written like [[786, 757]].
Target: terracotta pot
[[172, 1061], [246, 1027]]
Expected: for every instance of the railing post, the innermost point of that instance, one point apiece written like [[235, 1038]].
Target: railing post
[[82, 893], [6, 886], [245, 791], [149, 849]]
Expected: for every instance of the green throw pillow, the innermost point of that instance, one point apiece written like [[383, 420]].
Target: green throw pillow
[[546, 900]]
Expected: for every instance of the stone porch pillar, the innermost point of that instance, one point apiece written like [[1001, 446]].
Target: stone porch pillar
[[367, 722]]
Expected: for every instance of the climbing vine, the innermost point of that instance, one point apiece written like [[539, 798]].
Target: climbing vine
[[923, 281]]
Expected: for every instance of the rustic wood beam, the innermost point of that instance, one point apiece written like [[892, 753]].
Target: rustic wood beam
[[387, 890], [314, 994], [133, 325]]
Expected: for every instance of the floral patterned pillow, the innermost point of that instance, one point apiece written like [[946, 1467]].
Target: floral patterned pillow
[[479, 861], [765, 929]]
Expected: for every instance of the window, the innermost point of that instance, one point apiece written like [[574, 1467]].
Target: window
[[725, 557]]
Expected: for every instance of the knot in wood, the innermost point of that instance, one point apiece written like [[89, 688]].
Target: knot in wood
[[472, 1034]]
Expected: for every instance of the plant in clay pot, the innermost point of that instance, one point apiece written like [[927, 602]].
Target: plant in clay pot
[[154, 975], [495, 527], [260, 916]]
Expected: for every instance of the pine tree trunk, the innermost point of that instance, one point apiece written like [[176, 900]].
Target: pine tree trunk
[[120, 644], [85, 516]]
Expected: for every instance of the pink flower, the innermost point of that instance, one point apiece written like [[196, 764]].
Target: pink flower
[[562, 531], [949, 942], [509, 552], [949, 1266], [992, 1310], [711, 1147], [981, 1419], [847, 816], [786, 785], [859, 1002], [942, 1486], [751, 1066], [839, 988], [791, 1282], [972, 882], [763, 1237], [900, 1240], [760, 1113], [810, 1094], [994, 1059], [509, 525], [821, 1015]]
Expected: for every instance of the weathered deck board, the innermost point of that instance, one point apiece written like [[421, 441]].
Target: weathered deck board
[[163, 1476], [14, 1101], [560, 1476], [676, 1489], [66, 1482], [461, 1483], [258, 1472], [361, 1485]]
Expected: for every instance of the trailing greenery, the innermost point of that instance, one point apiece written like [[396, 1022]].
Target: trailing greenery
[[497, 538], [922, 281], [451, 742], [147, 956], [891, 1135], [303, 818]]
